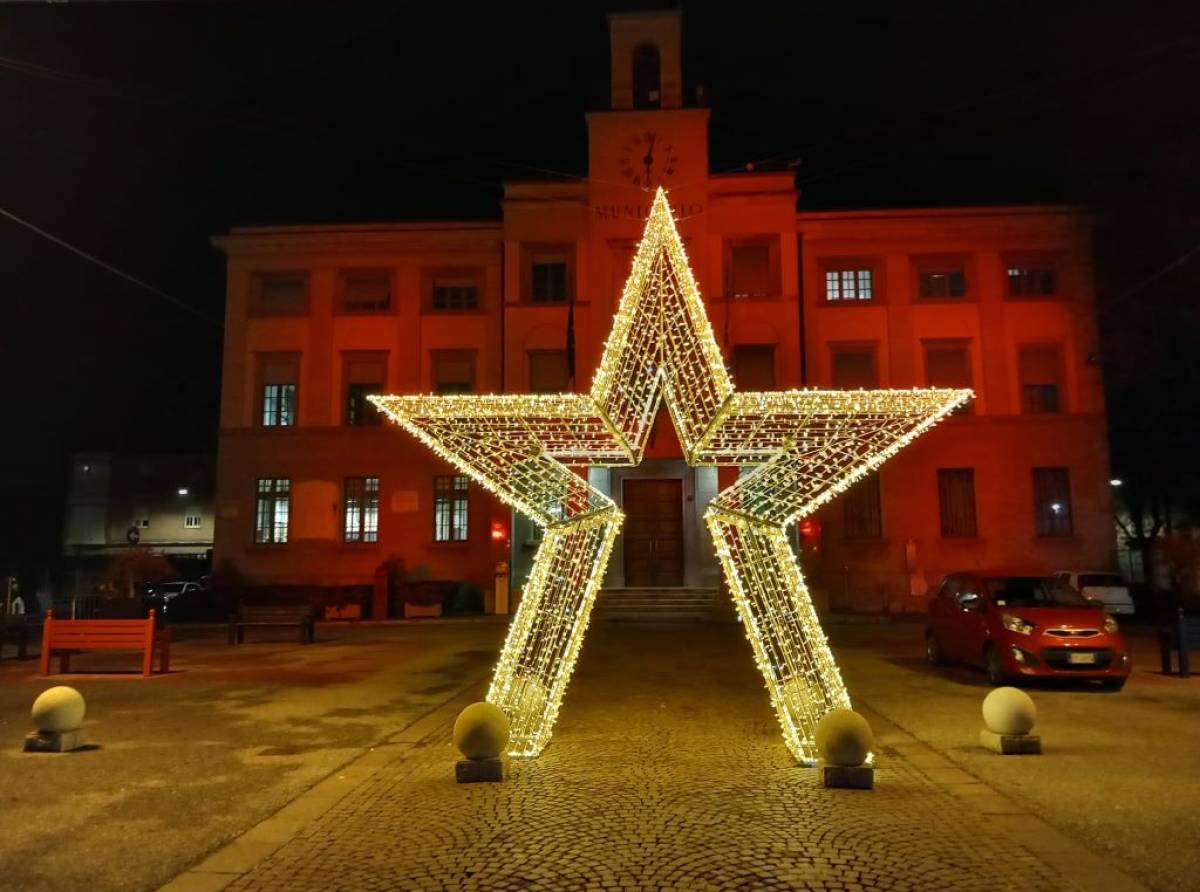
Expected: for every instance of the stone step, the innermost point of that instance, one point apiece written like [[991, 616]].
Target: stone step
[[657, 605]]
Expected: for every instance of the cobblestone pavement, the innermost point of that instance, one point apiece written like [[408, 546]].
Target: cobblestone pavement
[[666, 771]]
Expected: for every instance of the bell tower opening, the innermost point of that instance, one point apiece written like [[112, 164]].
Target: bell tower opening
[[647, 76], [645, 60]]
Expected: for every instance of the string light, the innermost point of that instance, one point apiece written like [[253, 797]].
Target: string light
[[809, 445]]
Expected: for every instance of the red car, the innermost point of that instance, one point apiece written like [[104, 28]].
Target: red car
[[1024, 627]]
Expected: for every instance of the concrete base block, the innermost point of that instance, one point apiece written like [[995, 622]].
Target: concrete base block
[[53, 741], [848, 777], [474, 771], [1011, 744]]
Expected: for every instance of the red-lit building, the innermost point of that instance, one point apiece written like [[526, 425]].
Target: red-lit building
[[313, 490]]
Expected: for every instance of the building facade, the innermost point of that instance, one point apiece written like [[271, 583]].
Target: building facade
[[313, 490], [158, 501]]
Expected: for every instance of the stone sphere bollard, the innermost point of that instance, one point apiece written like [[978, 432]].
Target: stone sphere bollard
[[481, 731], [58, 710], [1009, 711], [844, 738]]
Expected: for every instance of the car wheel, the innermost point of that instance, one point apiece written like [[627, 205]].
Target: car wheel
[[995, 670], [933, 652], [1112, 684]]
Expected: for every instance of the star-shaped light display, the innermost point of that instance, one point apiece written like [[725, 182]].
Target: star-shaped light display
[[808, 445]]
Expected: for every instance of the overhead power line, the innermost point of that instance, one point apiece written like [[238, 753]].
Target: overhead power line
[[120, 273]]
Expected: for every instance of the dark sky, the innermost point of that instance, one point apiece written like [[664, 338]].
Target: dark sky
[[137, 130]]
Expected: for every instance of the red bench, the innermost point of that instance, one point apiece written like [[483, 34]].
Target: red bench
[[67, 636]]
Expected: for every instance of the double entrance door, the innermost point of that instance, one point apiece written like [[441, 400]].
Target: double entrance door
[[653, 535]]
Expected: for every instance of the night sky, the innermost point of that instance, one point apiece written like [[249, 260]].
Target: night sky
[[135, 131]]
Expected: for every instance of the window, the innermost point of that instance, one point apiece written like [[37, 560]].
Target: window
[[1040, 370], [956, 502], [752, 268], [1032, 279], [936, 280], [850, 284], [450, 509], [453, 293], [453, 371], [948, 364], [647, 75], [754, 366], [548, 277], [862, 517], [547, 371], [360, 510], [279, 294], [191, 521], [141, 518], [364, 374], [278, 374], [1052, 501], [854, 367], [366, 291], [272, 509]]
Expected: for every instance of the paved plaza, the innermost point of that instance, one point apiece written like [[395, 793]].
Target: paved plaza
[[667, 771], [272, 766]]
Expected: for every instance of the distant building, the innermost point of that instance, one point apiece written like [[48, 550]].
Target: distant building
[[312, 489], [163, 502]]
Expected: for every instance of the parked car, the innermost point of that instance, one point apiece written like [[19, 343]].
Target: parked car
[[176, 600], [1108, 589], [1018, 626]]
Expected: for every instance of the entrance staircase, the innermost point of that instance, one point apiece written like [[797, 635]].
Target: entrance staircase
[[658, 605]]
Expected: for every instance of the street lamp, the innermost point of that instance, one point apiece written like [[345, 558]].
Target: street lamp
[[1116, 481]]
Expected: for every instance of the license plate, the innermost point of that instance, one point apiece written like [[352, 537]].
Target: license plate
[[1081, 658]]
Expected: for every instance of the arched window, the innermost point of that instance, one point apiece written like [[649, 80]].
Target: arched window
[[647, 77]]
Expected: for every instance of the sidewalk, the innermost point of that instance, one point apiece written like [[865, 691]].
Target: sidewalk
[[666, 772]]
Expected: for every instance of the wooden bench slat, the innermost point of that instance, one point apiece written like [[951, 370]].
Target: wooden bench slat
[[73, 635]]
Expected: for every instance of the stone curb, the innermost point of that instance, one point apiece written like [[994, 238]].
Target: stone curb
[[255, 845], [1074, 862]]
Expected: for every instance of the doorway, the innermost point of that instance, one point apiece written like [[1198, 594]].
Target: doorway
[[653, 533]]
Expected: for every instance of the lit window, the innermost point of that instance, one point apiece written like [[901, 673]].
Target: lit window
[[278, 374], [1052, 501], [272, 508], [450, 508], [849, 284], [956, 502], [191, 521], [366, 291], [1031, 280], [360, 510]]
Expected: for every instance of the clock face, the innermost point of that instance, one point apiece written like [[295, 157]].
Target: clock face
[[648, 159]]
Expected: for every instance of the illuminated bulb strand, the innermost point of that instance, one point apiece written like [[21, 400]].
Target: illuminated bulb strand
[[810, 446]]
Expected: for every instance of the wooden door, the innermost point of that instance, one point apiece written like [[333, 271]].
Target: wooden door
[[653, 534]]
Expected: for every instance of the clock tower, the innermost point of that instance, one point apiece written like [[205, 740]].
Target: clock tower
[[648, 138]]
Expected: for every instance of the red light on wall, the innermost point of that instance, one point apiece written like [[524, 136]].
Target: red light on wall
[[499, 533], [810, 531]]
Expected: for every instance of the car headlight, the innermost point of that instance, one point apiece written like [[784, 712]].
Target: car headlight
[[1014, 623], [1110, 624]]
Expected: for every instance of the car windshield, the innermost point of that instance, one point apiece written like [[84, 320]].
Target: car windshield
[[1033, 591], [1100, 579], [169, 588]]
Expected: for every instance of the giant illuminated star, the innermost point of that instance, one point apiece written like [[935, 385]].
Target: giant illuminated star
[[809, 445]]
